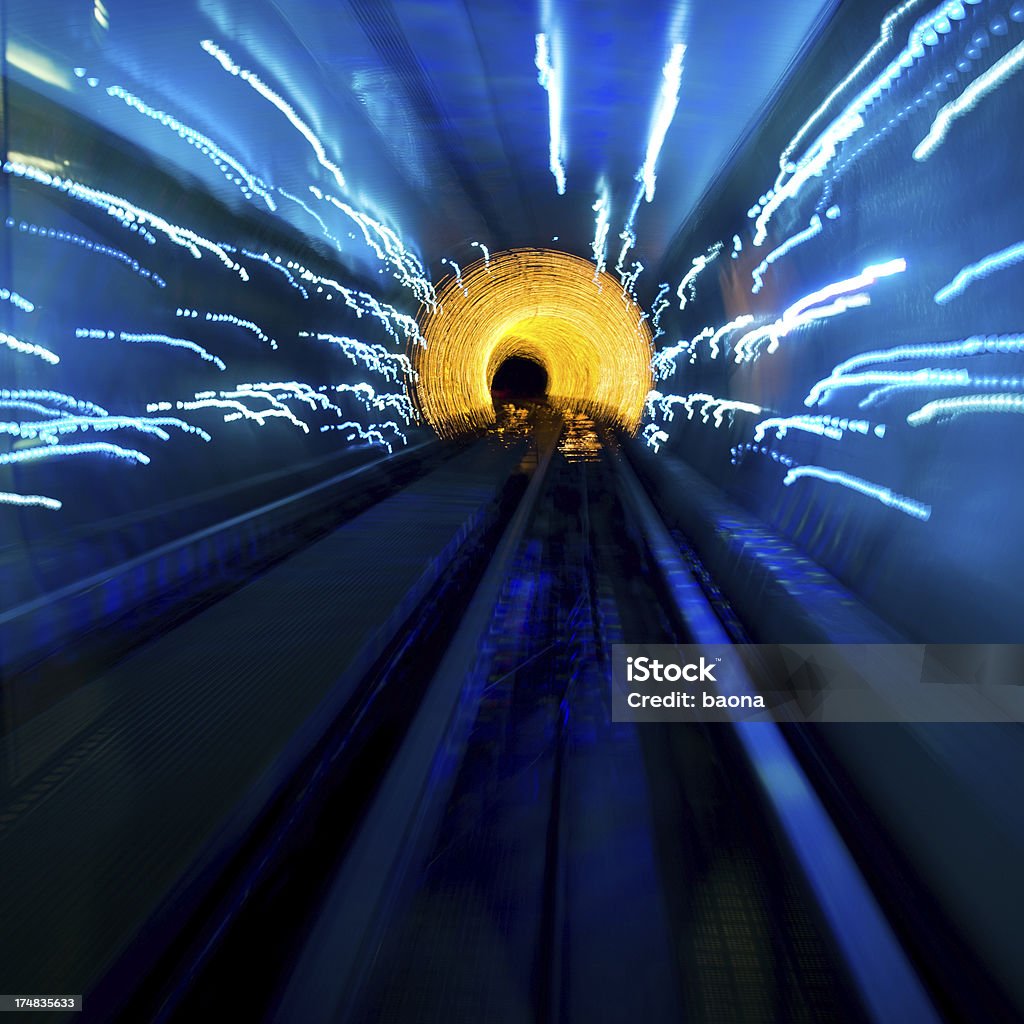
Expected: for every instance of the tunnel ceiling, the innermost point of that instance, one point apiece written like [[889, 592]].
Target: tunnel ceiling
[[430, 110]]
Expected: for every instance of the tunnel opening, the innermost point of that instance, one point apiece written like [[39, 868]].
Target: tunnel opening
[[519, 379], [543, 308]]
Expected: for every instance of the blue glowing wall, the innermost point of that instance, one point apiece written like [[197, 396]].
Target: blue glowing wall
[[842, 322], [181, 309]]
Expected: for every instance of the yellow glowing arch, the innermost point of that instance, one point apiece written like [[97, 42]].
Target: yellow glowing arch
[[541, 305]]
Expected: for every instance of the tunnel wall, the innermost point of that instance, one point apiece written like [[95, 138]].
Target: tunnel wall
[[81, 268], [946, 565]]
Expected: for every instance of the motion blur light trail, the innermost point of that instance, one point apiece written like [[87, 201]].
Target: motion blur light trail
[[541, 305]]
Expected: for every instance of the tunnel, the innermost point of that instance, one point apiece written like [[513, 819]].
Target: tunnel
[[511, 512]]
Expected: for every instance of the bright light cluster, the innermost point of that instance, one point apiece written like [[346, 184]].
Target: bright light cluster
[[400, 326], [822, 304], [390, 365], [664, 363], [540, 305], [794, 174]]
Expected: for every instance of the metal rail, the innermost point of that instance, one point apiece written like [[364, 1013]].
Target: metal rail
[[890, 989], [411, 799]]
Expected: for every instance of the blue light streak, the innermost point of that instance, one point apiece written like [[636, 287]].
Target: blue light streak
[[832, 427], [58, 398], [94, 334], [945, 409], [1008, 257], [275, 264], [29, 348], [887, 497], [128, 215], [16, 300], [37, 230], [38, 500], [599, 247], [708, 403], [844, 294], [230, 318], [1003, 68], [389, 365], [61, 451], [388, 248], [688, 285], [814, 228]]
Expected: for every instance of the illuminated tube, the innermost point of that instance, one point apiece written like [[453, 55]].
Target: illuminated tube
[[908, 506], [540, 305]]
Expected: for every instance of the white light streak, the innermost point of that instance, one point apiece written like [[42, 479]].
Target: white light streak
[[991, 79], [668, 101], [881, 494], [249, 77], [550, 79]]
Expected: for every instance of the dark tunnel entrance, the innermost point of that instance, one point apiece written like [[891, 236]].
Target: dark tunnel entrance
[[519, 379]]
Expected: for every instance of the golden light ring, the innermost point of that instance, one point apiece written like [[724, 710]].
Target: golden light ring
[[537, 304]]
